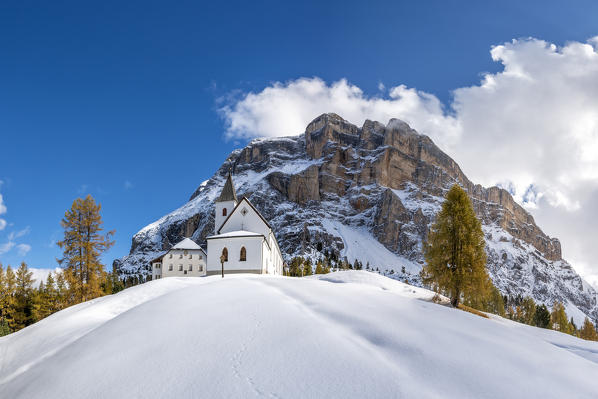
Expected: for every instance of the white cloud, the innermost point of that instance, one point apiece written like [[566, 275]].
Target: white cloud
[[23, 249], [2, 224], [532, 126], [285, 109], [7, 246], [14, 235], [2, 206], [40, 274]]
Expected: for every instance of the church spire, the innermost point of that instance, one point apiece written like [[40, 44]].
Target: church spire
[[228, 192]]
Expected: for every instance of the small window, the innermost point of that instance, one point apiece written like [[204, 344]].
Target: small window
[[223, 211], [180, 268], [170, 256], [200, 257], [170, 267], [190, 268], [181, 256], [186, 252], [190, 256], [243, 255], [200, 268], [225, 254]]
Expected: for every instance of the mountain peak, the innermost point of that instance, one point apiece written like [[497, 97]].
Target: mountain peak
[[371, 194]]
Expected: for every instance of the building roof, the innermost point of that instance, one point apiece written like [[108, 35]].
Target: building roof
[[252, 207], [238, 233], [187, 243], [228, 192]]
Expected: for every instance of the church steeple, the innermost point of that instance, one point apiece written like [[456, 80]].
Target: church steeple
[[225, 203], [228, 192]]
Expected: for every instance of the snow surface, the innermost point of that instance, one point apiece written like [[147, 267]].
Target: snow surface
[[345, 334], [237, 233], [186, 243], [360, 244]]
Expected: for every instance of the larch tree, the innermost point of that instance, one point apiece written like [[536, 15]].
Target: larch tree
[[558, 318], [82, 246], [454, 252], [588, 331], [23, 298]]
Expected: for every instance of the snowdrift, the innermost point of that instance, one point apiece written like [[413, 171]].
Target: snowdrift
[[346, 334]]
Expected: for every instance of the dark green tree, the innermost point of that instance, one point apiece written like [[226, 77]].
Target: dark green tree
[[454, 253]]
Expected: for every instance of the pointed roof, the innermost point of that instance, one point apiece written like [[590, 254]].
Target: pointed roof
[[187, 243], [228, 192]]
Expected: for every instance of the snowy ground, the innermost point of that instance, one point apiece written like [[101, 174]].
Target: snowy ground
[[347, 334]]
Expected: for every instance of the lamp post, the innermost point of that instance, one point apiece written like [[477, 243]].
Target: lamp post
[[222, 259]]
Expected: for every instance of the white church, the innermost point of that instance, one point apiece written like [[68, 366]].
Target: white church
[[243, 242]]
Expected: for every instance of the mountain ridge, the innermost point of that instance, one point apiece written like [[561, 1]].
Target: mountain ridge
[[342, 186]]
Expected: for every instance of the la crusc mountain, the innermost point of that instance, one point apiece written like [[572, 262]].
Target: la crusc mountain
[[369, 193]]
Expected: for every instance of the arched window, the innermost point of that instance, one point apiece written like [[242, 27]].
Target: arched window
[[243, 256], [225, 254], [223, 211]]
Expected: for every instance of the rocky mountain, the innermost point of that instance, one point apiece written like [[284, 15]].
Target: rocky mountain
[[370, 193]]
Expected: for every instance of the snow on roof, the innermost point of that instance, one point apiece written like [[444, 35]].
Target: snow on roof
[[237, 233], [187, 243]]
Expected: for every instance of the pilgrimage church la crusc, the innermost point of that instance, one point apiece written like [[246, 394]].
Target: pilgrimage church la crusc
[[243, 242]]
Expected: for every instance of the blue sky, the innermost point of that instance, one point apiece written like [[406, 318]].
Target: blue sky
[[121, 100]]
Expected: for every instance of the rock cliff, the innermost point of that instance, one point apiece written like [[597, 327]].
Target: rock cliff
[[369, 193]]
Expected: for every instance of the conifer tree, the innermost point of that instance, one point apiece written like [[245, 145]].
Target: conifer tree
[[4, 328], [454, 253], [23, 305], [542, 317], [528, 310], [558, 318], [319, 268], [307, 270], [82, 246], [588, 331]]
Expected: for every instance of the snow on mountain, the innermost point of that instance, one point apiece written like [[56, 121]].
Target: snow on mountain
[[369, 193], [346, 334]]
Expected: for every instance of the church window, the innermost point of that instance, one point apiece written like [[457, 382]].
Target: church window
[[243, 256], [225, 254], [170, 267], [223, 211], [190, 268], [180, 268], [244, 211]]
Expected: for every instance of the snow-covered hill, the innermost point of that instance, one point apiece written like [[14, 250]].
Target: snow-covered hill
[[370, 193], [343, 335]]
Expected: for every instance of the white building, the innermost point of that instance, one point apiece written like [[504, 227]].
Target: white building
[[243, 238], [184, 259]]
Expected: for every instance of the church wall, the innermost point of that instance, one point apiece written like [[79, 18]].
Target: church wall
[[253, 246], [251, 221]]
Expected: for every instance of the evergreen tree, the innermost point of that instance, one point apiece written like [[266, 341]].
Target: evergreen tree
[[542, 317], [319, 268], [23, 304], [4, 299], [528, 310], [455, 255], [588, 331], [558, 318], [307, 271], [82, 248], [62, 298]]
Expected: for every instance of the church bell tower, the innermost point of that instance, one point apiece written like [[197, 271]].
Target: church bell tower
[[225, 203]]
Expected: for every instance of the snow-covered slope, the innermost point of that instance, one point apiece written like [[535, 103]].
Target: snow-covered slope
[[342, 335], [369, 193]]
